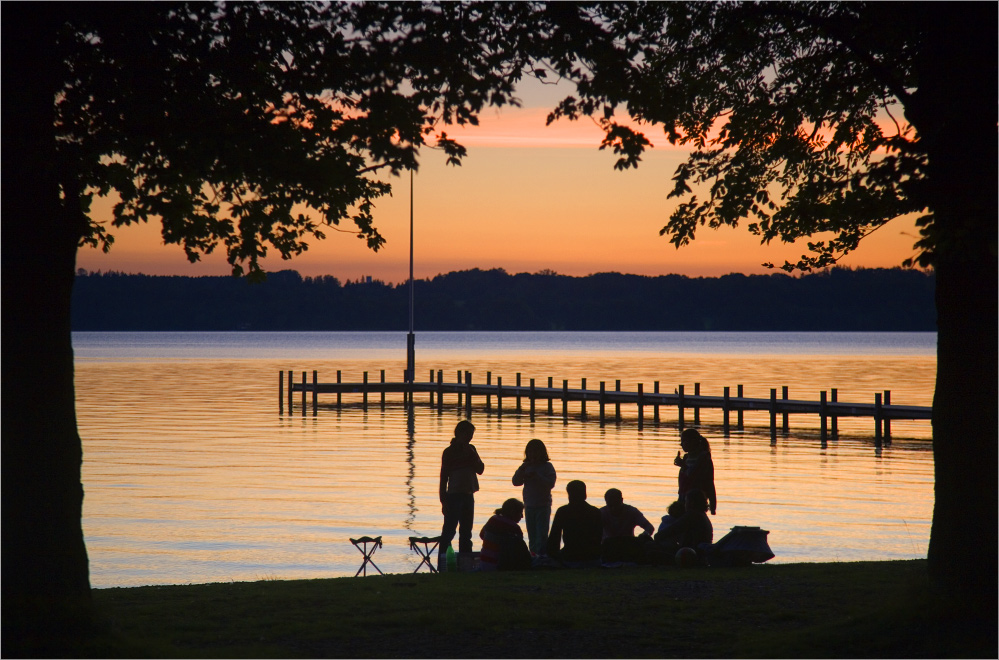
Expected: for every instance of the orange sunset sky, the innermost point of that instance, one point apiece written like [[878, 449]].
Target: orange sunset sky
[[528, 197]]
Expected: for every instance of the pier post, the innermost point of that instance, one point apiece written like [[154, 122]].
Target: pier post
[[617, 404], [823, 411], [655, 406], [784, 414], [877, 420], [440, 391], [315, 392], [697, 409], [364, 403], [339, 395], [431, 389], [550, 387], [382, 381], [565, 402], [281, 393], [304, 392], [499, 395], [887, 401], [738, 414], [532, 399], [291, 399], [459, 390], [773, 416], [603, 400], [518, 393], [468, 394], [833, 419], [489, 398], [582, 403], [641, 407], [679, 407], [725, 405]]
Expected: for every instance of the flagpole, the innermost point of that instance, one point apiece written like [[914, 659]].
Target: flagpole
[[410, 338]]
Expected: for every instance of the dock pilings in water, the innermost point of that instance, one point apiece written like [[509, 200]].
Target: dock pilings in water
[[828, 408]]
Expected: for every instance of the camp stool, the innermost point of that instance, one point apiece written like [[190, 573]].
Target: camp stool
[[428, 549], [362, 546]]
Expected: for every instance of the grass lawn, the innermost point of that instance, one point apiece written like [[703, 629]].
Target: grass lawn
[[866, 609]]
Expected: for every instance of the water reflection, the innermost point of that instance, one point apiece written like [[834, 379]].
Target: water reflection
[[410, 458], [191, 476]]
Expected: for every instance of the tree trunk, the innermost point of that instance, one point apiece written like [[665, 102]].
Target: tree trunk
[[955, 114], [46, 589]]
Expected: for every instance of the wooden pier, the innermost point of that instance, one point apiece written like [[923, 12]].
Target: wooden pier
[[528, 395]]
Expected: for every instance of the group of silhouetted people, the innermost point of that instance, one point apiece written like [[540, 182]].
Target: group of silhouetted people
[[580, 535]]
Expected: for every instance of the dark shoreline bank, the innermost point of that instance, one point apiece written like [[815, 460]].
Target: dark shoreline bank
[[863, 609], [873, 300]]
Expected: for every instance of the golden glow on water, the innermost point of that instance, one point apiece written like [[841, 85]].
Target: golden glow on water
[[192, 476]]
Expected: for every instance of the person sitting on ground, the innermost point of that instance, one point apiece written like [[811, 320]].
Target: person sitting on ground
[[619, 522], [692, 529], [577, 527], [663, 553], [503, 547], [673, 514]]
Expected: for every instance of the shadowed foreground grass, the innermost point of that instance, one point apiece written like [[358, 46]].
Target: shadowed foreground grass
[[869, 609]]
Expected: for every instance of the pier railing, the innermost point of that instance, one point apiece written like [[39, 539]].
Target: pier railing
[[525, 398]]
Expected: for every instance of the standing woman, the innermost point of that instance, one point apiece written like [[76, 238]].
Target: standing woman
[[697, 471], [537, 476]]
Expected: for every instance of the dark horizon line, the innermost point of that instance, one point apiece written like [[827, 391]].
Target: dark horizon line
[[928, 271]]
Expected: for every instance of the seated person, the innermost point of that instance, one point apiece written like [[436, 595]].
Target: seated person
[[693, 527], [673, 514], [577, 527], [503, 547], [619, 521]]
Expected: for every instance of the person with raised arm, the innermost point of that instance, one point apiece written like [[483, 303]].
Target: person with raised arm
[[697, 471]]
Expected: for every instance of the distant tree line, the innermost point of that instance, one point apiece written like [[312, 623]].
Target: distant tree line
[[835, 299]]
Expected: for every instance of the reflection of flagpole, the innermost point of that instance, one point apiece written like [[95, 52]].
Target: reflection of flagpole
[[410, 338]]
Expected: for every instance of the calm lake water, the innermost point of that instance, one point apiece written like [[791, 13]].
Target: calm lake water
[[192, 476]]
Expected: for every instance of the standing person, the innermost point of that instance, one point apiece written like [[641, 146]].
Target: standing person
[[503, 547], [578, 528], [460, 463], [619, 522], [537, 476], [697, 471]]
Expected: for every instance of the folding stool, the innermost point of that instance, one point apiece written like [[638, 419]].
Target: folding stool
[[362, 546], [425, 552]]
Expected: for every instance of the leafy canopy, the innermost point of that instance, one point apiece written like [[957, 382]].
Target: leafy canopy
[[257, 125], [792, 111]]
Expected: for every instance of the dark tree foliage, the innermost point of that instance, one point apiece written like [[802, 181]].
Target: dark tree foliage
[[258, 127], [835, 300], [826, 120], [253, 127]]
